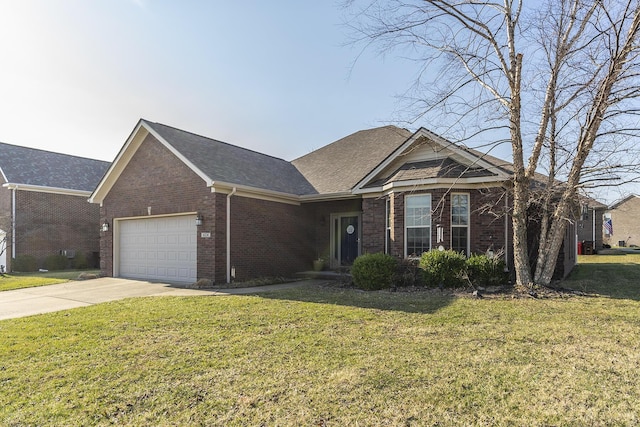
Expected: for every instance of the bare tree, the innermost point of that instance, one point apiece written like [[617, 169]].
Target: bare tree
[[561, 79]]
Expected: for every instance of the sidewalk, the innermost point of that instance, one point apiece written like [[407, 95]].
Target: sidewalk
[[64, 296]]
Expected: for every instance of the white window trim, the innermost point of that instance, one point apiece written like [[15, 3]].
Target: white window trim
[[406, 255], [387, 225], [468, 226]]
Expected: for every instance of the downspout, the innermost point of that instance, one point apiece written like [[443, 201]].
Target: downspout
[[229, 233], [593, 220], [13, 223]]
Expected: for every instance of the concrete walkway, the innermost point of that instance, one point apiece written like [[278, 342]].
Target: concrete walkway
[[47, 299]]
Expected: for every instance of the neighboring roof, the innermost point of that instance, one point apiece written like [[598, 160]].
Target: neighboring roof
[[339, 166], [623, 201], [235, 165], [30, 166]]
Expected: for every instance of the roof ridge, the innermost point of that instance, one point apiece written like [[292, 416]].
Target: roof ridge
[[216, 140]]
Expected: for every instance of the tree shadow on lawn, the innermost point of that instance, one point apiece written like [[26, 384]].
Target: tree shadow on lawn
[[615, 280], [423, 301]]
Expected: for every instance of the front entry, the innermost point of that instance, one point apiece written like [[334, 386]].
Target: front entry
[[345, 238]]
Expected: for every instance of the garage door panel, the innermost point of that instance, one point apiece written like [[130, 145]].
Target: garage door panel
[[159, 248]]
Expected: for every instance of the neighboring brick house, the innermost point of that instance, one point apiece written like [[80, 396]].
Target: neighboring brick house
[[43, 204], [624, 217], [179, 207]]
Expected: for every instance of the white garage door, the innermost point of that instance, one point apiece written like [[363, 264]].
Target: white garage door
[[162, 249]]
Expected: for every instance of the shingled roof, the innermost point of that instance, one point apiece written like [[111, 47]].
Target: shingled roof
[[339, 166], [234, 165], [30, 166]]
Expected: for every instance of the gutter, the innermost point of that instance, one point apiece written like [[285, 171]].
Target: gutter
[[593, 220], [45, 189], [233, 191]]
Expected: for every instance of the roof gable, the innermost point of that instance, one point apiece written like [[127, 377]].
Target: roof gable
[[339, 166], [425, 157], [220, 165], [40, 168]]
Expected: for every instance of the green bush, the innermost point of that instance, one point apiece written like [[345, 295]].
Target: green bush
[[80, 261], [373, 271], [443, 268], [486, 271], [24, 264], [56, 262]]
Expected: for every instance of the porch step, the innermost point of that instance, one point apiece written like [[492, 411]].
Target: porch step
[[325, 274]]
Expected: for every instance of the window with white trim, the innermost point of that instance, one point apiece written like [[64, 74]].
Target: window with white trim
[[417, 223], [460, 223]]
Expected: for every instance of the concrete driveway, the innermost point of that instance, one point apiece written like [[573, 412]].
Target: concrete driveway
[[46, 299]]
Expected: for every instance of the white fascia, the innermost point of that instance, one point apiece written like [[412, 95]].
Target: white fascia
[[254, 193], [343, 195], [127, 151], [418, 184], [44, 189]]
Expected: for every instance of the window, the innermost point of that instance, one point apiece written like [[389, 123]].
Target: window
[[387, 236], [460, 223], [417, 224]]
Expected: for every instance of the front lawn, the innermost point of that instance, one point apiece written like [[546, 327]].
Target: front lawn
[[326, 356], [611, 275], [30, 280]]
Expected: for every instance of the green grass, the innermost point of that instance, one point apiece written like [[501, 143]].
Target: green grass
[[611, 275], [324, 356], [30, 280]]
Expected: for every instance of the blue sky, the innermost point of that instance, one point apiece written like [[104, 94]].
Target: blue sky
[[278, 77], [275, 77]]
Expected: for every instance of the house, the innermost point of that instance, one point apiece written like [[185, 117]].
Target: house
[[43, 205], [179, 207], [590, 225], [622, 222]]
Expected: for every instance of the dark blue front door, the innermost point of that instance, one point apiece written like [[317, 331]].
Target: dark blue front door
[[349, 232]]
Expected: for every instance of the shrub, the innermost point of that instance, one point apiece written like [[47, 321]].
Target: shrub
[[443, 268], [56, 262], [373, 271], [24, 264], [80, 261], [486, 271]]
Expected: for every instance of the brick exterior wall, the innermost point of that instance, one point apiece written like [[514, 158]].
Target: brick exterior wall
[[374, 224], [47, 223], [487, 224], [269, 239]]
